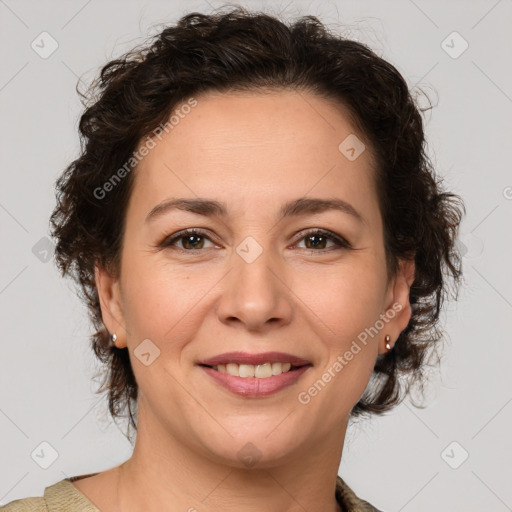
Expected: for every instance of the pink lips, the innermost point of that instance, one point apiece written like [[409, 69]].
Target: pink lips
[[252, 387], [246, 358]]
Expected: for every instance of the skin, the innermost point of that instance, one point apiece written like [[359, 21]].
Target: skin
[[254, 152]]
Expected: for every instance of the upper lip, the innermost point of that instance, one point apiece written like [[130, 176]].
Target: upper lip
[[254, 359]]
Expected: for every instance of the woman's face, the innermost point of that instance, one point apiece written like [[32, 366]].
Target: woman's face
[[252, 280]]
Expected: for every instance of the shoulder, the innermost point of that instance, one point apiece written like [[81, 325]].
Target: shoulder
[[62, 496], [25, 505], [348, 499]]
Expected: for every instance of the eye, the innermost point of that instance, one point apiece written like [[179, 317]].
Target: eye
[[191, 240], [315, 240]]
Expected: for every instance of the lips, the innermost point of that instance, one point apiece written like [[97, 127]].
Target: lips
[[254, 359], [255, 387]]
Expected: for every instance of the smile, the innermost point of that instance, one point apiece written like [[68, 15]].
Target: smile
[[260, 371], [254, 381]]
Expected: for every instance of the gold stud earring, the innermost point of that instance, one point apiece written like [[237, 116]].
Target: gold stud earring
[[387, 339]]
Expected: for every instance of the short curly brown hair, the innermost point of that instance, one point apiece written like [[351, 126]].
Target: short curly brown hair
[[251, 51]]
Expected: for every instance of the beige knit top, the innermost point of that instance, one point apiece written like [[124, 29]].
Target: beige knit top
[[63, 496]]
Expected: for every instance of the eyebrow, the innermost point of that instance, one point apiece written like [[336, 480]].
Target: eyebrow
[[212, 208]]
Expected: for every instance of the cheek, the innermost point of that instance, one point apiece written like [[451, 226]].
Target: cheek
[[347, 298], [346, 306], [162, 299], [346, 368], [343, 316]]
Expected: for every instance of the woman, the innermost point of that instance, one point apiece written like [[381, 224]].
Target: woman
[[264, 249]]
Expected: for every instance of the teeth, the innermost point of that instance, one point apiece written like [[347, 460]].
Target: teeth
[[260, 371]]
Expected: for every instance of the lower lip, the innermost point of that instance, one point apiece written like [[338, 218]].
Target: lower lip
[[252, 386]]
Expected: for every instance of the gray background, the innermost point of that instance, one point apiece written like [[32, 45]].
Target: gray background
[[403, 461]]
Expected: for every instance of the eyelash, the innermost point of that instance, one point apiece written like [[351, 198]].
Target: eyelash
[[340, 242]]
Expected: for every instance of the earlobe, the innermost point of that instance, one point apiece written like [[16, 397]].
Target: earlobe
[[110, 302], [399, 308]]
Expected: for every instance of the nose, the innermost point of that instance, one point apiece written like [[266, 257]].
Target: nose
[[255, 293]]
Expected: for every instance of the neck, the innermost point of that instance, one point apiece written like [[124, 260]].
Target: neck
[[167, 469]]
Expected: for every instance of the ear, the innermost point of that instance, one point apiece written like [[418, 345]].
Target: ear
[[398, 303], [110, 302]]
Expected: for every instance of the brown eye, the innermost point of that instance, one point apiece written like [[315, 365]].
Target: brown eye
[[316, 241], [191, 240]]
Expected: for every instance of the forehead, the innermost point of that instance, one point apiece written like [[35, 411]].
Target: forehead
[[244, 122], [233, 145]]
